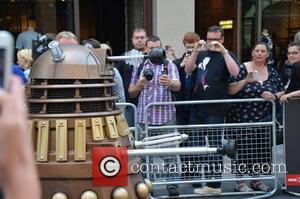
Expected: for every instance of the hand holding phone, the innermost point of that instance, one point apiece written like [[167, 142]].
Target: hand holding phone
[[255, 76], [208, 46], [163, 72], [189, 51], [252, 77], [164, 80], [6, 57]]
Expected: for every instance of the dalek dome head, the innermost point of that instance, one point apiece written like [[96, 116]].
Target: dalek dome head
[[69, 62], [71, 81]]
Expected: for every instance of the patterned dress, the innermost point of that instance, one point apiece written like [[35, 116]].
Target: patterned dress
[[253, 143]]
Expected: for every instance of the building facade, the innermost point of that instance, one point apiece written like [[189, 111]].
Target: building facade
[[112, 21]]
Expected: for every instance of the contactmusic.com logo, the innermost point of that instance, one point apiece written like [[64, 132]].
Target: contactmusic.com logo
[[110, 166]]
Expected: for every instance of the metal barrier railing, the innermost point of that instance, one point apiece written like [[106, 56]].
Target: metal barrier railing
[[260, 151], [130, 105]]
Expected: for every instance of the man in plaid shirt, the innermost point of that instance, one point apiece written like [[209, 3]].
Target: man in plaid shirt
[[165, 80], [158, 89]]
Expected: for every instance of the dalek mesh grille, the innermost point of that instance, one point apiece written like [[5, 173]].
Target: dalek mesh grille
[[87, 107], [58, 108], [61, 93], [92, 92], [37, 93], [74, 96], [35, 108]]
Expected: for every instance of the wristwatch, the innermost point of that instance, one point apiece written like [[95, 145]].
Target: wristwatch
[[224, 52]]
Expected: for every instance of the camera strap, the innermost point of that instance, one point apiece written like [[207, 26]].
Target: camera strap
[[141, 66], [166, 66]]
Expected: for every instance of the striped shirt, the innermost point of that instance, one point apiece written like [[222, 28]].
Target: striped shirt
[[154, 92]]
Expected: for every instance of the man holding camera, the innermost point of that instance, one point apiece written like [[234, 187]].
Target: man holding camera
[[154, 80], [213, 64], [158, 89]]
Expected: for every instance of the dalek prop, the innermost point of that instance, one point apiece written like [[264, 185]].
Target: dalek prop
[[72, 109]]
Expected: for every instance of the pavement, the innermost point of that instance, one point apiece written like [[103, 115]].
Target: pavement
[[227, 187]]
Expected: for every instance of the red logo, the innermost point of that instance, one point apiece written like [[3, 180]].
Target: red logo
[[110, 166], [293, 180]]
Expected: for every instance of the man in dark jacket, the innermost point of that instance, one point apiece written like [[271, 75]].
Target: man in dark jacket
[[213, 64], [138, 39]]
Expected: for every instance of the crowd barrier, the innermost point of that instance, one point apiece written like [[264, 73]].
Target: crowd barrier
[[123, 106], [256, 140]]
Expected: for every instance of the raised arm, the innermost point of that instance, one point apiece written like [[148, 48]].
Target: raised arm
[[237, 86], [172, 79], [231, 64], [135, 88], [191, 62]]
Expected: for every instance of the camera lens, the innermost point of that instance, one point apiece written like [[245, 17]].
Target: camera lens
[[157, 56], [148, 74]]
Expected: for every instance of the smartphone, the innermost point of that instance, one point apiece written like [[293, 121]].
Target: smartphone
[[255, 76], [164, 71], [6, 57], [208, 46], [189, 51]]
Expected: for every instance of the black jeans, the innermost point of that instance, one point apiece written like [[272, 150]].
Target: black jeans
[[197, 138], [183, 116]]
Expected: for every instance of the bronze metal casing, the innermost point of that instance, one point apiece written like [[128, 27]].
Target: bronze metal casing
[[72, 109]]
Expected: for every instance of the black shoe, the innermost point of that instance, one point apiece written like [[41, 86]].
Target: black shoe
[[173, 190], [259, 186]]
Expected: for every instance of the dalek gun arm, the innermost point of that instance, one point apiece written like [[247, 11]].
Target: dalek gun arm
[[135, 57], [170, 139], [228, 149]]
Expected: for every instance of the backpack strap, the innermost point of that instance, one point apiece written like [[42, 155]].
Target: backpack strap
[[165, 67]]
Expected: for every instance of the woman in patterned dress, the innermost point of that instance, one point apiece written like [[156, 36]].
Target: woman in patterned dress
[[255, 80]]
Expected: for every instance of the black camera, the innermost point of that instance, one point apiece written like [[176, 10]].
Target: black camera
[[157, 56], [148, 74], [189, 51], [40, 46]]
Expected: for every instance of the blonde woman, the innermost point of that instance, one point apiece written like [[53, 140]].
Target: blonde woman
[[25, 60]]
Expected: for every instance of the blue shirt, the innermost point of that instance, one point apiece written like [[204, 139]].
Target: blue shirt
[[24, 39], [118, 88], [16, 70]]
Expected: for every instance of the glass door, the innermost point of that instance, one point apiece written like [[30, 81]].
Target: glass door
[[280, 20], [276, 20], [249, 25]]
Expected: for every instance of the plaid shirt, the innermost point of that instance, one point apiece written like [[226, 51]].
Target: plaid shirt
[[155, 92]]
